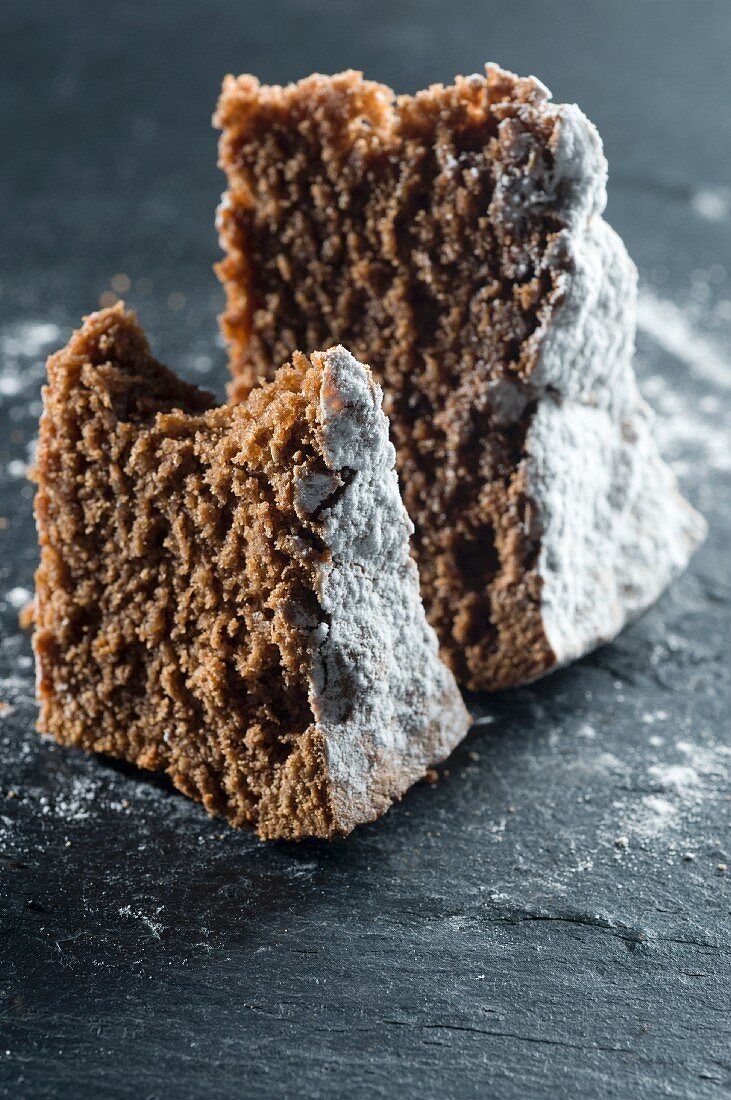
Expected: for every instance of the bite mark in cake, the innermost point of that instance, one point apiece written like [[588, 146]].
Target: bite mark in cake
[[226, 594]]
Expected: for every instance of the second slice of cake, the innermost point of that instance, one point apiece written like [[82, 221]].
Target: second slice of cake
[[456, 237], [226, 594]]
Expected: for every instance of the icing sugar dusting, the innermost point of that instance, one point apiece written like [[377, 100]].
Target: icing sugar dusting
[[680, 778], [692, 434], [18, 597], [685, 778], [689, 431], [28, 338], [155, 927], [712, 203], [377, 739], [654, 815], [23, 347], [671, 328], [663, 791]]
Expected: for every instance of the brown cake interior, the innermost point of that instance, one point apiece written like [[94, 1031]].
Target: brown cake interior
[[386, 224], [175, 591]]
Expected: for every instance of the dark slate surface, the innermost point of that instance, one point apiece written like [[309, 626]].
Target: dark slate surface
[[550, 919]]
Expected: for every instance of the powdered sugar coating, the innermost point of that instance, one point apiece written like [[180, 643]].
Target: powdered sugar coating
[[384, 702], [615, 529]]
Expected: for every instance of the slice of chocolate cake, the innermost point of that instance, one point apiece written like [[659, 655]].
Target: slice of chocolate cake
[[226, 594], [456, 238]]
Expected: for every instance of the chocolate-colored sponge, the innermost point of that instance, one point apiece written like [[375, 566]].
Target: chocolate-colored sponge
[[455, 238], [226, 594]]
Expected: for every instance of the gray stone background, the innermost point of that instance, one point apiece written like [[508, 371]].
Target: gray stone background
[[552, 917]]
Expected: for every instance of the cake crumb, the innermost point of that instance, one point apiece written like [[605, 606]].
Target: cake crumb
[[26, 616], [434, 255], [267, 471]]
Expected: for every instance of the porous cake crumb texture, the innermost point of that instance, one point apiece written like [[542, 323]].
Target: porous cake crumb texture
[[179, 596], [390, 225], [165, 632], [455, 238]]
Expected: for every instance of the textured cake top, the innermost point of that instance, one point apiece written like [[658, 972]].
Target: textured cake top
[[437, 235], [454, 237], [218, 586], [356, 118]]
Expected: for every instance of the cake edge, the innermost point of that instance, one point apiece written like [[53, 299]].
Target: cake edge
[[631, 515], [407, 712]]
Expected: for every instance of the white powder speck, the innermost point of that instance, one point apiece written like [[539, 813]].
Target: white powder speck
[[671, 328], [712, 203], [18, 597], [23, 347], [154, 926], [9, 385], [708, 760], [653, 816], [680, 778], [607, 761], [17, 689], [683, 790], [689, 432], [28, 338], [650, 717], [76, 801]]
